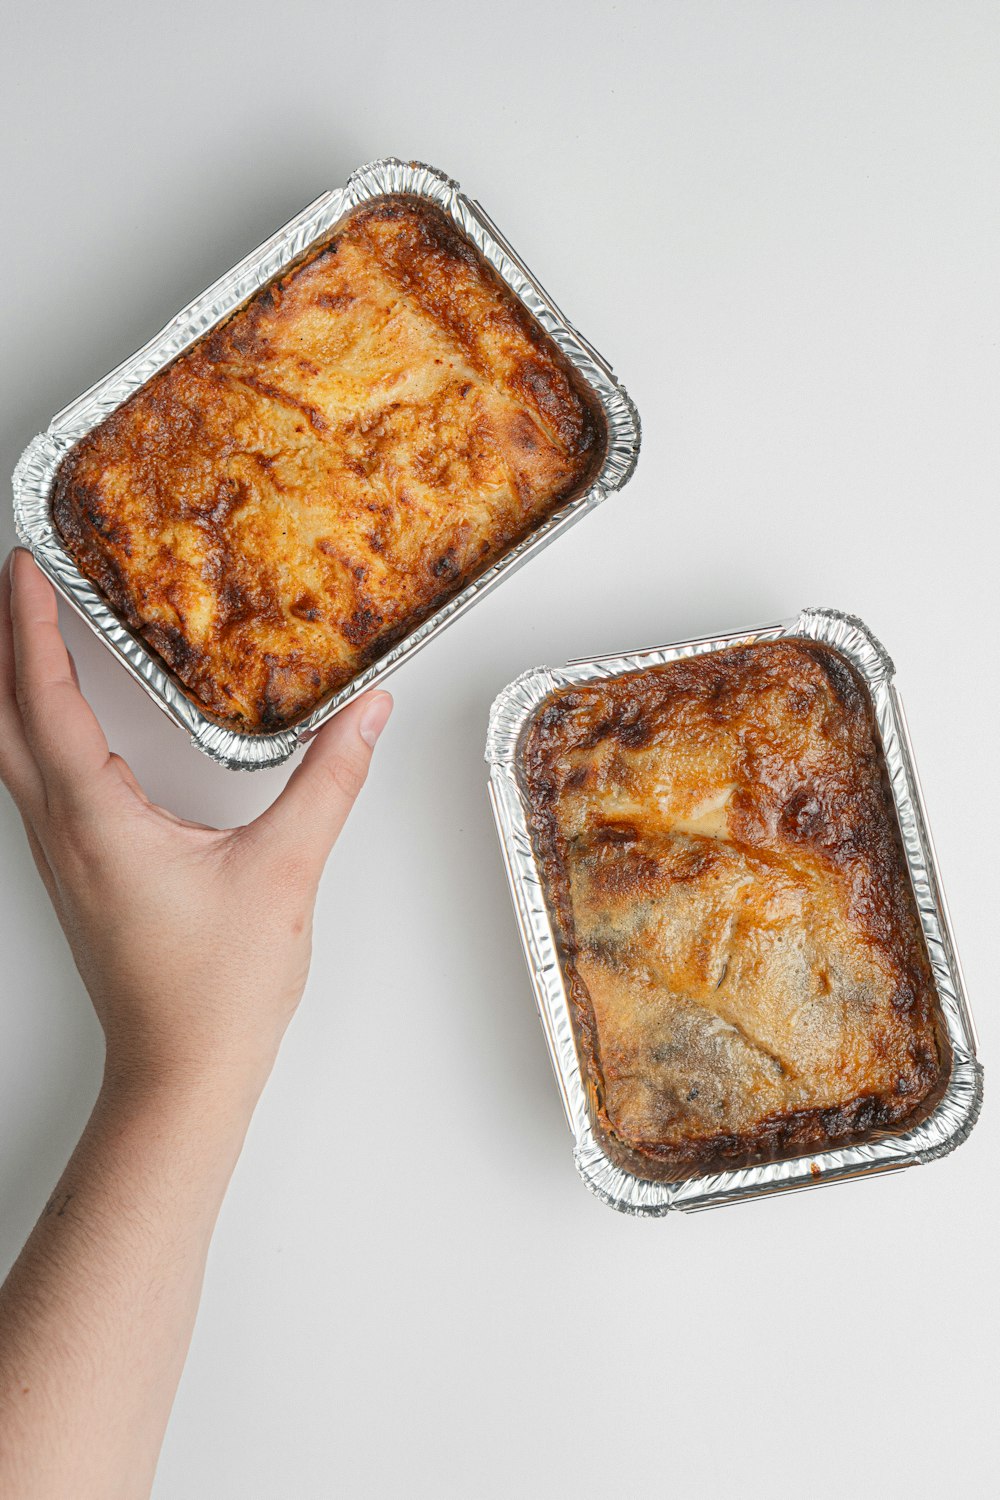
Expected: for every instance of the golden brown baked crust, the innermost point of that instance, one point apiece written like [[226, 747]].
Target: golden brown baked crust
[[747, 973], [323, 471]]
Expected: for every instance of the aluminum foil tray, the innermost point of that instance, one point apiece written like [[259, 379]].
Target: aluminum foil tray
[[952, 1118], [34, 475]]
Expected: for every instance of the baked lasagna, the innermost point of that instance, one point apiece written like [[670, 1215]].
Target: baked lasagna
[[321, 472], [746, 970]]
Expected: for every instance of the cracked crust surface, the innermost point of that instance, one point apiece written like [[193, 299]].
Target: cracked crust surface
[[319, 474], [745, 963]]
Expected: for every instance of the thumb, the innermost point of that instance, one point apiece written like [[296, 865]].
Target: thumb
[[313, 808]]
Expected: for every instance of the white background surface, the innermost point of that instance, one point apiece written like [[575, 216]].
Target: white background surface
[[780, 222]]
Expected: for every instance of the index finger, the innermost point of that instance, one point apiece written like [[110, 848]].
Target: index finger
[[61, 730]]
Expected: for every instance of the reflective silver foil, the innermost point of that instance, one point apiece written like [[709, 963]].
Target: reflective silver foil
[[952, 1118], [36, 470]]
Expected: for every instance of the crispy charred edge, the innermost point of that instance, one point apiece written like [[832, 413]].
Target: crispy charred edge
[[551, 384], [780, 1137], [77, 515], [892, 919], [539, 746], [80, 523], [76, 506]]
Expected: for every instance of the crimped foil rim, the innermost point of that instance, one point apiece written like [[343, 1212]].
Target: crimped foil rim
[[954, 1116], [35, 471]]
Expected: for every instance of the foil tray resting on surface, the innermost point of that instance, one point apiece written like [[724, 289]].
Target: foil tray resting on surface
[[951, 1119], [35, 473]]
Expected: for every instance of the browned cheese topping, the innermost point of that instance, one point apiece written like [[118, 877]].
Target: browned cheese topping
[[746, 966], [323, 471]]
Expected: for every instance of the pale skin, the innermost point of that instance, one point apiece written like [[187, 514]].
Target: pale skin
[[193, 943]]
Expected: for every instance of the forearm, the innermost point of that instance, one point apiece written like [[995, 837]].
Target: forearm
[[97, 1314], [96, 1317]]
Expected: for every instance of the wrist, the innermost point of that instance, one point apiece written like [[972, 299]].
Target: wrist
[[223, 1090]]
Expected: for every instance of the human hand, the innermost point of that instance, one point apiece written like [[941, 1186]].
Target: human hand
[[193, 942]]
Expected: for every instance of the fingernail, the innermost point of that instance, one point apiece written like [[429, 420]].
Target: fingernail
[[12, 564], [375, 718]]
